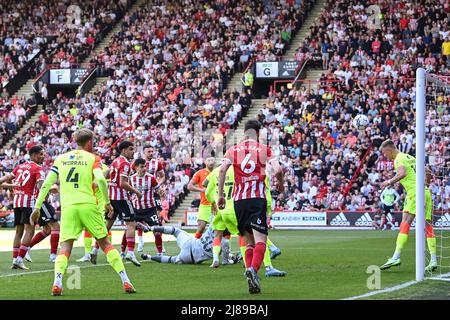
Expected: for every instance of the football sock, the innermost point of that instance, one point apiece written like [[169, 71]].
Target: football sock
[[130, 244], [110, 236], [87, 242], [225, 248], [249, 255], [402, 238], [23, 251], [258, 255], [431, 242], [167, 230], [216, 249], [267, 261], [15, 252], [158, 241], [54, 241], [113, 258], [38, 237], [242, 248], [61, 262]]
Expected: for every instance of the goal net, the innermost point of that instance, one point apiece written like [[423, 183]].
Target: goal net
[[433, 153]]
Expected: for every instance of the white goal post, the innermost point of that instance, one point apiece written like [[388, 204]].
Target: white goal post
[[432, 106], [420, 173]]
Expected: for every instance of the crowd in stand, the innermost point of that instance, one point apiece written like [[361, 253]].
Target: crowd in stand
[[318, 142], [34, 34], [199, 46]]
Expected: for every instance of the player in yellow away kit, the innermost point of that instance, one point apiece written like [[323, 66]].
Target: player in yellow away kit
[[226, 219], [77, 171], [87, 239], [405, 165]]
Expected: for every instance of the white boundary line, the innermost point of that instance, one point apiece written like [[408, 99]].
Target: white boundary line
[[24, 273], [395, 288]]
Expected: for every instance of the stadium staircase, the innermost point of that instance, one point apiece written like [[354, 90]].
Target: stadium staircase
[[27, 89], [257, 104], [106, 41], [311, 73]]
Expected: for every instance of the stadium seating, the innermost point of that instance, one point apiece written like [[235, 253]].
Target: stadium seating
[[321, 148], [150, 44]]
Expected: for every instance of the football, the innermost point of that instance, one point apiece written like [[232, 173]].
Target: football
[[361, 121]]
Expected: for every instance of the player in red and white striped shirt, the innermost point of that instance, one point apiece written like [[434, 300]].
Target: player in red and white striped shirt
[[146, 212], [28, 177], [119, 193], [249, 159], [154, 167]]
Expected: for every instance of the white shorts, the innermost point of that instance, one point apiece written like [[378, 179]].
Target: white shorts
[[185, 242]]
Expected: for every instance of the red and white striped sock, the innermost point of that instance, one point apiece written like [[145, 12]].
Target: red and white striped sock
[[54, 241], [23, 250], [15, 252], [38, 237], [130, 244]]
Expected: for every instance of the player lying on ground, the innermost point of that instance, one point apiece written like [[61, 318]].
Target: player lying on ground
[[77, 172], [226, 219], [192, 250], [405, 165]]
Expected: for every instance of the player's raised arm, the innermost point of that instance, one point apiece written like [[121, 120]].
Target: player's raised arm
[[8, 178], [278, 173], [401, 173], [100, 180]]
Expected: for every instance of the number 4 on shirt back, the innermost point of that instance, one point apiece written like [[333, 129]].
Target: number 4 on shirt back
[[73, 178]]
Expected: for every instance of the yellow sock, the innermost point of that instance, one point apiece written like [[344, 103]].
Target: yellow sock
[[61, 263], [431, 242], [242, 249], [113, 258], [87, 244], [267, 261]]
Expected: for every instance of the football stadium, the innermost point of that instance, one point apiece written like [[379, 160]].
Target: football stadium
[[224, 150]]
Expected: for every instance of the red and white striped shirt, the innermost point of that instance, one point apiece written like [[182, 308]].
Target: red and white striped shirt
[[249, 160], [147, 185], [119, 167], [26, 175]]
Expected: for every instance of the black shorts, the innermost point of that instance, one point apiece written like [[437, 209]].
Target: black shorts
[[149, 216], [123, 209], [158, 202], [388, 209], [48, 214], [251, 214], [22, 216]]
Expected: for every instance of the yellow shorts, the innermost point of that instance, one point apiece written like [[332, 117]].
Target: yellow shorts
[[204, 213], [225, 219], [410, 204], [76, 218]]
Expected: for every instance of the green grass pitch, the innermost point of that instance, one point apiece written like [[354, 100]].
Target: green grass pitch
[[320, 264]]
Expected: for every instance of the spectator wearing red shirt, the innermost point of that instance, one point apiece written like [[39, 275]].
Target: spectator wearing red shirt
[[376, 45]]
